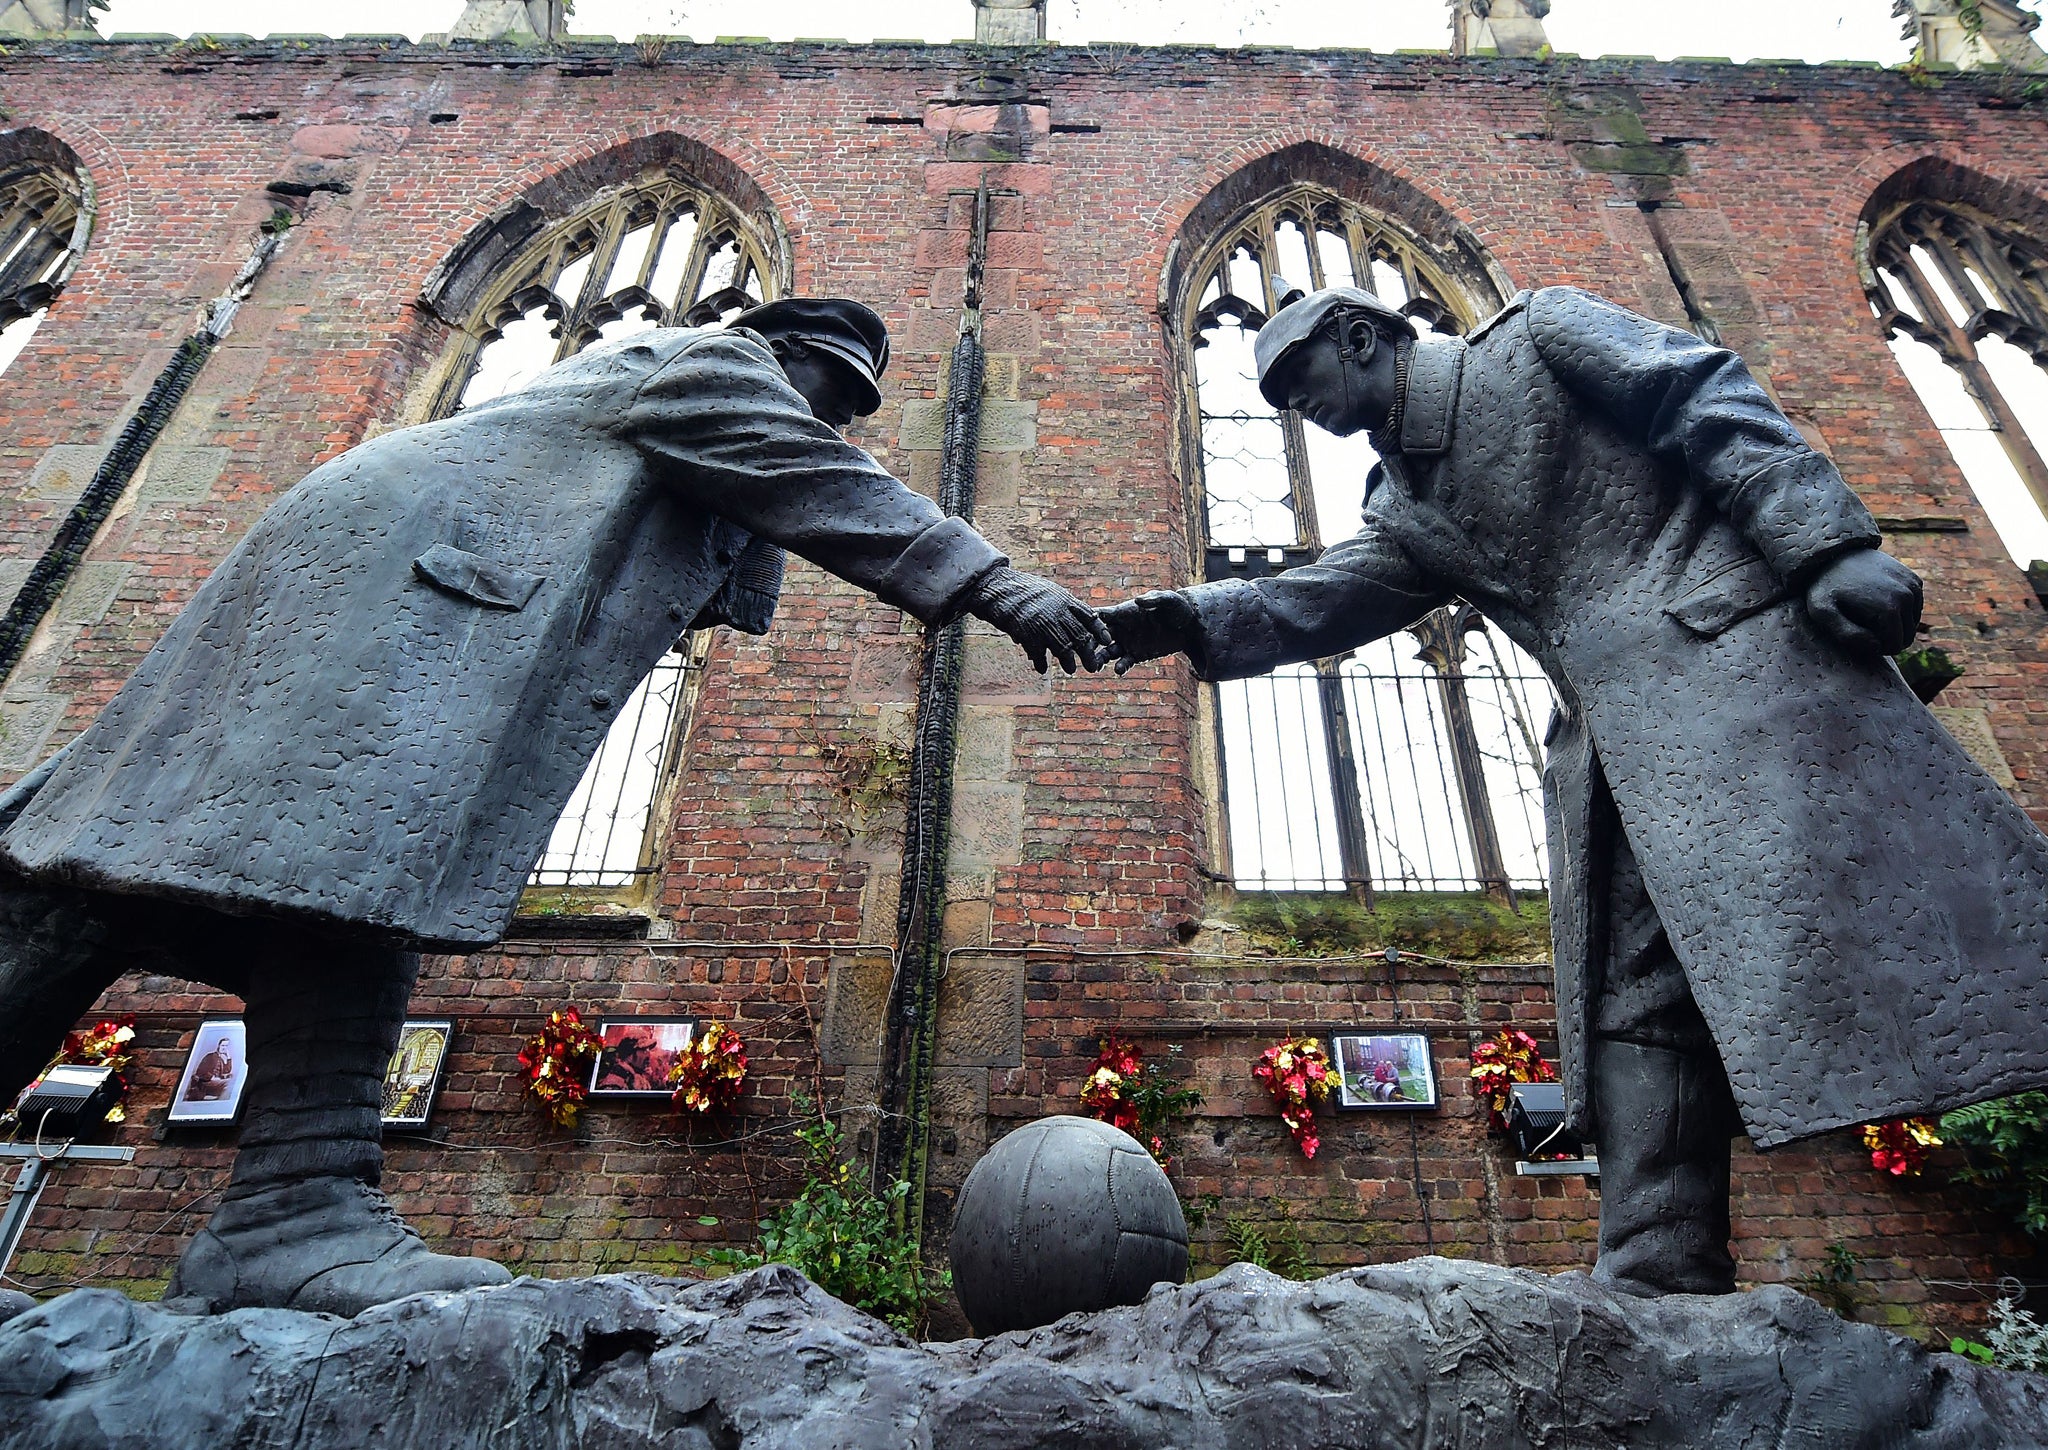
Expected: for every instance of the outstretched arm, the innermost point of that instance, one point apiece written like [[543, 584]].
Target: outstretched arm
[[1697, 407], [1358, 591], [722, 424]]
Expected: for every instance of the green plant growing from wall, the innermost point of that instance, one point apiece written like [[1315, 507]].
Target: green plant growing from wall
[[1835, 1283], [2005, 1151], [840, 1235], [1274, 1245]]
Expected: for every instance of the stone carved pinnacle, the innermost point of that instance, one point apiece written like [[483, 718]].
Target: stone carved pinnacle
[[1009, 22], [1500, 27], [519, 21], [45, 19], [1970, 35]]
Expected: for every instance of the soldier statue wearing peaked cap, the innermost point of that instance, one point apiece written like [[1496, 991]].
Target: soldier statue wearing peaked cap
[[1782, 897], [352, 744]]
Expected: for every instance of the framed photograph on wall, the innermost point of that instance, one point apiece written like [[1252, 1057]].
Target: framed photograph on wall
[[635, 1056], [413, 1077], [216, 1070], [1383, 1069]]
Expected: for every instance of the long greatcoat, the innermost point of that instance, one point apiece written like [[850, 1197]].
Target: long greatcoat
[[1861, 911], [375, 709]]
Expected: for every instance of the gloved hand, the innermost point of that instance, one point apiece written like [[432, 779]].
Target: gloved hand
[[1042, 617], [1151, 626], [1867, 602]]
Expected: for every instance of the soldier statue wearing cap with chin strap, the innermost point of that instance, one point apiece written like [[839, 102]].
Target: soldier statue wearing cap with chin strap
[[1782, 897], [352, 744]]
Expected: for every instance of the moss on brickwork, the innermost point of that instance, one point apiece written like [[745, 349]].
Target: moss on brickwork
[[1462, 925]]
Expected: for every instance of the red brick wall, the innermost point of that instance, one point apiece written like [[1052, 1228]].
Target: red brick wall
[[1094, 775]]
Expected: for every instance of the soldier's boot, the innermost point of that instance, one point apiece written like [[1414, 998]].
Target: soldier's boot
[[1665, 1121], [302, 1224]]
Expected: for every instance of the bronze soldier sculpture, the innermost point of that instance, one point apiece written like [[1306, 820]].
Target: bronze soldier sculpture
[[1772, 871], [351, 745]]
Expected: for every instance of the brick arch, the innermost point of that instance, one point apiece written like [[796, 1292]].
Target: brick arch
[[1256, 170], [551, 193], [1942, 178], [1881, 176]]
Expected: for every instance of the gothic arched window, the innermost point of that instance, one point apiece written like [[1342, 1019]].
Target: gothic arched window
[[44, 222], [665, 252], [662, 255], [1963, 300], [1412, 763]]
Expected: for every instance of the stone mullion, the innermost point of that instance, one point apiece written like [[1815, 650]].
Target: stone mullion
[[611, 231], [2012, 434], [2013, 293], [708, 222]]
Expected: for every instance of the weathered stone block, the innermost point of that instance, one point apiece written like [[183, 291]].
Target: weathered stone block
[[91, 591], [856, 996], [1007, 426], [986, 745], [981, 1013], [65, 471], [964, 923], [24, 726], [1971, 727], [996, 669], [878, 907], [183, 474], [988, 822]]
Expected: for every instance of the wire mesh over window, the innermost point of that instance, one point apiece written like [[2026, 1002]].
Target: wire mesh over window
[[653, 256], [602, 838], [1963, 301], [42, 233], [1411, 764]]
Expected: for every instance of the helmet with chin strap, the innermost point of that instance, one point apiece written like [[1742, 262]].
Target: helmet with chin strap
[[1301, 316]]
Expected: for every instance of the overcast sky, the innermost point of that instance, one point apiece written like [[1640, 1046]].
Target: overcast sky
[[1813, 30]]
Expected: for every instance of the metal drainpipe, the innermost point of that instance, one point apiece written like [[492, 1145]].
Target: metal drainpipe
[[39, 593], [910, 1027]]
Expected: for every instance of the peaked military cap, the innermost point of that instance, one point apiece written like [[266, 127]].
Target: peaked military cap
[[1300, 314], [837, 325]]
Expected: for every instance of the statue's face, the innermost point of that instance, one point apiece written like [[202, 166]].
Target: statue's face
[[1319, 390], [823, 380]]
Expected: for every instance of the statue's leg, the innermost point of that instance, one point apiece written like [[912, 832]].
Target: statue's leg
[[302, 1223], [1663, 1112]]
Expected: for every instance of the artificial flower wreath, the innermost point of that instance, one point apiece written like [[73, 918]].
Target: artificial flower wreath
[[1511, 1057], [1899, 1146], [1298, 1075], [1111, 1091], [556, 1065], [104, 1044], [710, 1072]]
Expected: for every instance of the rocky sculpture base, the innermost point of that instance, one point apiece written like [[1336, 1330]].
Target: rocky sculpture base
[[1428, 1353]]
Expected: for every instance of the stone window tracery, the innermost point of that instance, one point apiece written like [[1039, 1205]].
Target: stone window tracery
[[1962, 298], [1412, 763], [44, 224], [661, 255], [653, 254]]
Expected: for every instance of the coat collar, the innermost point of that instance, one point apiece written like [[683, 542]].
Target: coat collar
[[1429, 396]]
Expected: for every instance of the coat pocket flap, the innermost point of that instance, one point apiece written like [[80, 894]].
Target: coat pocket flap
[[1728, 597], [477, 579]]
